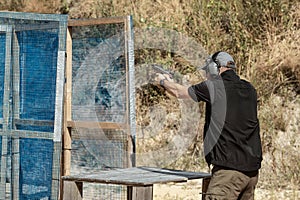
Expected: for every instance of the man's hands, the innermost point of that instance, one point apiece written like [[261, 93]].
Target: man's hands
[[172, 88], [160, 78]]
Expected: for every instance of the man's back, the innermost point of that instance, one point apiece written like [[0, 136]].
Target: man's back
[[239, 145]]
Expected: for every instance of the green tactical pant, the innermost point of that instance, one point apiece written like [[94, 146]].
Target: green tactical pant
[[231, 185]]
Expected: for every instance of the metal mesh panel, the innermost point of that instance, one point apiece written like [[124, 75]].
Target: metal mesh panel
[[99, 73], [30, 104], [99, 94], [35, 173], [38, 61]]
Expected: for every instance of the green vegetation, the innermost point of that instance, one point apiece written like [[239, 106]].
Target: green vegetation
[[263, 36]]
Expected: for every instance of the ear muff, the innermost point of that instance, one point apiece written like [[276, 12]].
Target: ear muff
[[214, 58], [212, 69], [214, 65]]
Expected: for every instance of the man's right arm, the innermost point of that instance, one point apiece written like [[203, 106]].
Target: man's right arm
[[175, 89]]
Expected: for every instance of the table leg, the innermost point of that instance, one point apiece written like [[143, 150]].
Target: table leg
[[72, 190], [205, 183], [140, 192]]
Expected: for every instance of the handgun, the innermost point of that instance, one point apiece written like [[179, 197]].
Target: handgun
[[162, 71]]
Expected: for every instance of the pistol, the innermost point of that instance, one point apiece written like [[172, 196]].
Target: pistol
[[162, 71]]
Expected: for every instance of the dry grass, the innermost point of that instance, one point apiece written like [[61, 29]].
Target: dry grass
[[264, 37]]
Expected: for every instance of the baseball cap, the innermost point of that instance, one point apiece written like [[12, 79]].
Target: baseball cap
[[225, 60], [221, 57]]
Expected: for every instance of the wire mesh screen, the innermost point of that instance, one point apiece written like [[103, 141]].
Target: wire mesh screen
[[99, 73], [99, 94], [30, 73]]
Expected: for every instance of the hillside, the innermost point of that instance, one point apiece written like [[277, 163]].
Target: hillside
[[264, 38]]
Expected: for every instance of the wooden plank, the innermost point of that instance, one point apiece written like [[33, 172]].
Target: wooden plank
[[97, 125], [72, 190], [188, 174], [112, 175], [67, 141], [137, 176], [90, 22], [56, 170], [131, 182], [140, 193], [139, 180]]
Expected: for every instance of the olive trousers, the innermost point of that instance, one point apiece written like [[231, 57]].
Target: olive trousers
[[231, 185]]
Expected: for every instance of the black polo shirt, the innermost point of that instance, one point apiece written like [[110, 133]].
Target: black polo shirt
[[231, 130]]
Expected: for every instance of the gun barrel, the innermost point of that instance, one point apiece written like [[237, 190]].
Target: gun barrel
[[161, 70]]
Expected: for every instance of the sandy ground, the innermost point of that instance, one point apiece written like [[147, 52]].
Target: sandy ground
[[191, 191], [178, 191]]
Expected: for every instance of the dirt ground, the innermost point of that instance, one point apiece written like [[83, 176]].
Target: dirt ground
[[191, 191]]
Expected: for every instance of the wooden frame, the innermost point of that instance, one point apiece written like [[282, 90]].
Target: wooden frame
[[69, 124], [139, 180]]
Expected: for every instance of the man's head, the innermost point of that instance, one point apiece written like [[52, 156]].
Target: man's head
[[218, 62]]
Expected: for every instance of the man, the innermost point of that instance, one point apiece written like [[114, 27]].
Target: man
[[231, 132]]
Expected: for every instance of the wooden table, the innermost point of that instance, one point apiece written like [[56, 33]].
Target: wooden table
[[139, 180]]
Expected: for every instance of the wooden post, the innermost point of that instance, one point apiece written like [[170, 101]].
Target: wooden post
[[72, 190], [68, 189], [205, 183], [140, 193], [67, 141]]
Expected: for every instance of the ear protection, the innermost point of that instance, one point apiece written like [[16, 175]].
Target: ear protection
[[214, 66]]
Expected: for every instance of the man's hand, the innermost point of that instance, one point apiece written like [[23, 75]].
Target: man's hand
[[160, 77]]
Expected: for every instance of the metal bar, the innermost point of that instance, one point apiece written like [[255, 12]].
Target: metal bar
[[27, 134], [6, 107], [32, 16], [60, 79], [30, 122], [15, 168], [131, 89], [15, 161], [16, 78], [3, 168], [49, 25]]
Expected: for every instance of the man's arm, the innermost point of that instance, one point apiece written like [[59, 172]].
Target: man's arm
[[175, 89]]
